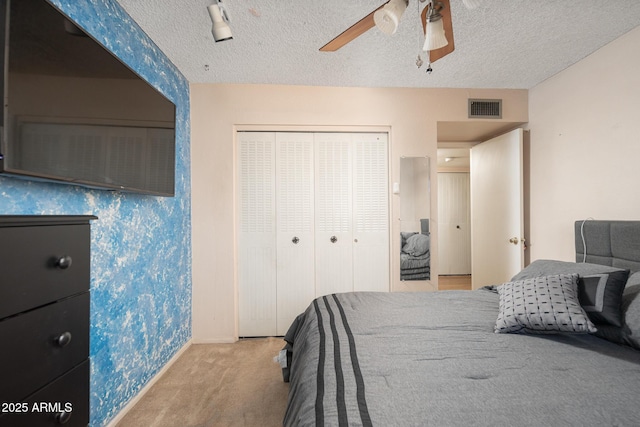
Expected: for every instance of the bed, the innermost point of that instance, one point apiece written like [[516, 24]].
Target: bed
[[487, 357], [415, 256], [415, 253]]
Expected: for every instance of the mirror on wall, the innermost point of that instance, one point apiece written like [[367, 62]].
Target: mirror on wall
[[414, 190]]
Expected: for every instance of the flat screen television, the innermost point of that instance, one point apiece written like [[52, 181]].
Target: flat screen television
[[74, 113]]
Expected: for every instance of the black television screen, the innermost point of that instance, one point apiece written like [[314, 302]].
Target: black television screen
[[74, 113]]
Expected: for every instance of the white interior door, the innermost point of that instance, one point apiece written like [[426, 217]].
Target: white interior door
[[295, 226], [370, 212], [334, 214], [497, 251], [257, 234], [454, 223]]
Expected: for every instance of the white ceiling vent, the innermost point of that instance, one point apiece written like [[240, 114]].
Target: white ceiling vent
[[485, 108]]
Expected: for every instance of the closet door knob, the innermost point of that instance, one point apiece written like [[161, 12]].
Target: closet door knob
[[333, 239], [295, 240], [64, 262]]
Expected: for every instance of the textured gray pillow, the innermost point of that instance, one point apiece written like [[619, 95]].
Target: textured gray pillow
[[545, 304], [629, 334], [417, 245], [599, 289], [404, 235], [631, 310], [634, 279]]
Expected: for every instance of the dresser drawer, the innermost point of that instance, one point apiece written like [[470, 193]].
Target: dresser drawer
[[65, 401], [36, 346], [32, 271]]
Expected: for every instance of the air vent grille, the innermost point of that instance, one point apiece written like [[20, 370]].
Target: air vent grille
[[485, 108]]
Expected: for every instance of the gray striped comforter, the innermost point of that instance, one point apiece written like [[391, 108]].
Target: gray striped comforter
[[432, 359]]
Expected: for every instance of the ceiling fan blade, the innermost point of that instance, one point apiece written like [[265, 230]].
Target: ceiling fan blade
[[354, 31], [436, 54]]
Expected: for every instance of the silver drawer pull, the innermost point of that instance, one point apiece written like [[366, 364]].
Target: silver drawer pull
[[63, 340], [64, 262], [63, 417]]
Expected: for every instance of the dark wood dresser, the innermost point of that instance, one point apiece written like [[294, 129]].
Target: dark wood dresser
[[44, 320]]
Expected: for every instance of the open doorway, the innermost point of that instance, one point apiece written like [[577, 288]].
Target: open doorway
[[454, 216], [455, 140]]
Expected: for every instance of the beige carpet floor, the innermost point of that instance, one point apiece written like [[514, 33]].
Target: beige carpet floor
[[216, 385]]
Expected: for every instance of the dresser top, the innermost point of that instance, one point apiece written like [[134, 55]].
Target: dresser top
[[31, 220]]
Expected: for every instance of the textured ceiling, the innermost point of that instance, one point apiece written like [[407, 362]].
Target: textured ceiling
[[502, 44]]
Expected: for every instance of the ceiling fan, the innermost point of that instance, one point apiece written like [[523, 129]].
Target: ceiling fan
[[436, 23]]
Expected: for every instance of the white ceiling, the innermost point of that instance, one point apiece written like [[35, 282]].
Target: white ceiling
[[502, 44]]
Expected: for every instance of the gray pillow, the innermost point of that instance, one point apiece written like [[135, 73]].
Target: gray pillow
[[634, 279], [544, 304], [417, 245], [629, 334], [405, 235], [600, 287], [631, 310]]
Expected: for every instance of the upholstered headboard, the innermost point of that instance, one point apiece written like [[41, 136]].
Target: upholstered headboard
[[614, 243], [424, 226]]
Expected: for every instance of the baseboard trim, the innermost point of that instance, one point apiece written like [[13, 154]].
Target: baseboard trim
[[214, 340], [121, 414]]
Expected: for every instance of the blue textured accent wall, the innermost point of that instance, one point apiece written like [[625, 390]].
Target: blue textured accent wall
[[141, 245]]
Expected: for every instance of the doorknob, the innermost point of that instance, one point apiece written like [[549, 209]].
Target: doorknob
[[333, 239], [295, 240], [514, 240]]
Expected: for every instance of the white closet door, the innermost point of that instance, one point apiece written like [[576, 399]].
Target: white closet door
[[334, 215], [295, 224], [313, 220], [370, 212], [257, 234], [454, 223]]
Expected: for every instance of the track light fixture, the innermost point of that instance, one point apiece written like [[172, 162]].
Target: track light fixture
[[220, 29]]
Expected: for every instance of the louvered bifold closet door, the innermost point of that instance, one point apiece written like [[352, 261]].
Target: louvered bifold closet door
[[313, 220], [257, 234], [370, 212], [334, 214], [295, 226]]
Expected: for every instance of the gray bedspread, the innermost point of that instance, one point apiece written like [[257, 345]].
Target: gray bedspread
[[432, 359]]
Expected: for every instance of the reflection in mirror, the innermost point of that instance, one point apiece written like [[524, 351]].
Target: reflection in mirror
[[415, 208]]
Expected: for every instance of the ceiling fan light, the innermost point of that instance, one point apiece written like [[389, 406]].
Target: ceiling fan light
[[388, 18], [435, 38]]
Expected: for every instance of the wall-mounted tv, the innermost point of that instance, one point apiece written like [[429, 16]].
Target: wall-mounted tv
[[74, 113]]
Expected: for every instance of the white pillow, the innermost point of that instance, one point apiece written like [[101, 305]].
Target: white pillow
[[539, 305]]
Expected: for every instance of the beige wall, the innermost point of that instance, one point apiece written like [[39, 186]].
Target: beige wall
[[585, 150], [410, 115]]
